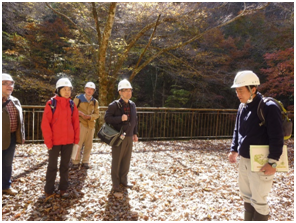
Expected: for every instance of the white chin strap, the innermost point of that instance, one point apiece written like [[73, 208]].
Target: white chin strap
[[251, 97]]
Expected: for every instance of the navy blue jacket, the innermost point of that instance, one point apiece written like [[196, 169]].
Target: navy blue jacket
[[248, 132], [113, 116]]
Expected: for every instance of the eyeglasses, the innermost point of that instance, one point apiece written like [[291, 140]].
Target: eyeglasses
[[8, 84], [127, 90]]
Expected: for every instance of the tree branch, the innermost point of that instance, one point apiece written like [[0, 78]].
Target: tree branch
[[243, 13], [142, 54], [61, 14], [95, 14], [70, 21], [133, 42]]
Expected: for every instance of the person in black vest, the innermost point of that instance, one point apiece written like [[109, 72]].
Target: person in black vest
[[123, 115], [255, 186], [13, 131]]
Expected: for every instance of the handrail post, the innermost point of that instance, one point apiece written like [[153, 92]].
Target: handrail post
[[191, 124], [33, 131], [165, 113], [217, 123]]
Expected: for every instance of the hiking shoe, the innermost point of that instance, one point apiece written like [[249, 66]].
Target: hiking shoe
[[128, 185], [10, 191], [46, 197], [75, 166], [85, 165], [64, 194], [116, 189]]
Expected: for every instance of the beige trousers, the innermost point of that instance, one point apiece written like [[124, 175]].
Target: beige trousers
[[254, 186], [86, 139]]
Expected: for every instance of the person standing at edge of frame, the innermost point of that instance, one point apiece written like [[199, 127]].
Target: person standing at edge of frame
[[255, 186], [60, 129], [13, 131], [123, 115], [88, 108]]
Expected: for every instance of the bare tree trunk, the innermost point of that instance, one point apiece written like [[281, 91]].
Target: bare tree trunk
[[104, 87]]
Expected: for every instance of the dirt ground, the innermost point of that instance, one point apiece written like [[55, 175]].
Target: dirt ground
[[173, 180]]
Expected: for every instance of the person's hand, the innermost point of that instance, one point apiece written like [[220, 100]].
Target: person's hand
[[80, 113], [135, 138], [232, 156], [87, 117], [268, 170], [124, 117], [49, 148]]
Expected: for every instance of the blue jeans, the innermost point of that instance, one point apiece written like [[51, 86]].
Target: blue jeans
[[7, 158]]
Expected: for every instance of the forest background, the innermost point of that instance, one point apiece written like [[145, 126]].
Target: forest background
[[175, 54]]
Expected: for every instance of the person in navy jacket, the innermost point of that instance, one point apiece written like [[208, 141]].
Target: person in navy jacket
[[255, 186], [122, 115]]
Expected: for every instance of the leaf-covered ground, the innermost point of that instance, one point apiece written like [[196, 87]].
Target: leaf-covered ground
[[174, 180]]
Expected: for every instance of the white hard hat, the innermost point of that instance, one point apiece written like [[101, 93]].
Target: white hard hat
[[6, 77], [90, 85], [63, 82], [124, 84], [245, 78]]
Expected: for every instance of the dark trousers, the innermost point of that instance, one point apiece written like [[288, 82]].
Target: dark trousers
[[121, 157], [66, 151], [7, 158]]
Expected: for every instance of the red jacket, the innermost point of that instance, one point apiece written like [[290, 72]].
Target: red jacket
[[60, 128]]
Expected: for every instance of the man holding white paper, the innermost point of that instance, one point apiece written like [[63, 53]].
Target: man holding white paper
[[255, 186]]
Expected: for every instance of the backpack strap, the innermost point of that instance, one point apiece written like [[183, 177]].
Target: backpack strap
[[53, 104], [260, 112], [261, 105], [119, 105], [72, 106], [78, 102]]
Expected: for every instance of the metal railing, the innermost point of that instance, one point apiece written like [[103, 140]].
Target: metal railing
[[157, 123]]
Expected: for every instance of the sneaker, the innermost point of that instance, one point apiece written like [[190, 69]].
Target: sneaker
[[10, 191], [85, 165]]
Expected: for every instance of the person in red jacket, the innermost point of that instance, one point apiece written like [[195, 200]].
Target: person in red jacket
[[60, 129]]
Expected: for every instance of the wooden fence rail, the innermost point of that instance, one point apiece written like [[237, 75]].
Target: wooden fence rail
[[157, 123]]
